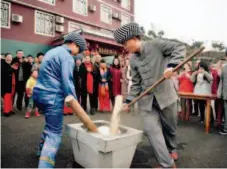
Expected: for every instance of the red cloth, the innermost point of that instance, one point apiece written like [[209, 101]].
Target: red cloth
[[185, 83], [68, 110], [104, 100], [89, 78], [28, 91], [215, 82], [7, 106], [116, 80]]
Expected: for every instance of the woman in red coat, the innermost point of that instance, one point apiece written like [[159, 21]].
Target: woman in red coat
[[104, 77], [218, 103], [116, 79], [186, 85], [7, 84]]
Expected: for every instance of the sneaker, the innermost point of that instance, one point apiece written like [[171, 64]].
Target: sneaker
[[12, 112], [92, 112], [27, 115], [37, 114], [195, 114], [174, 155], [222, 132], [6, 114], [70, 113]]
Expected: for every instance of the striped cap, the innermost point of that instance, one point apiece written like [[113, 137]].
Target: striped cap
[[127, 32], [77, 39]]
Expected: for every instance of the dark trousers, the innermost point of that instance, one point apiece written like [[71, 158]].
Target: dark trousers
[[92, 100], [113, 100], [20, 88], [26, 100], [82, 98], [196, 107], [219, 109], [202, 107], [95, 101]]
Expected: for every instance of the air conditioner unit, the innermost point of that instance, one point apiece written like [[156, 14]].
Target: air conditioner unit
[[17, 18], [59, 19], [59, 28], [92, 8], [116, 15]]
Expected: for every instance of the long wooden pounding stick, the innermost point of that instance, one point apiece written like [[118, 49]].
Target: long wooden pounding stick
[[163, 78]]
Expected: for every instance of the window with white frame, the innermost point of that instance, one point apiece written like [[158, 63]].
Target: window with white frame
[[51, 2], [106, 14], [44, 23], [125, 19], [5, 14], [80, 7], [125, 4]]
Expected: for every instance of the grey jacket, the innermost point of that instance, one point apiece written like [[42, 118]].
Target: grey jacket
[[222, 89], [202, 86], [148, 66]]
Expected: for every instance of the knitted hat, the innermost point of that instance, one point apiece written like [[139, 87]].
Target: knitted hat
[[77, 39], [127, 32]]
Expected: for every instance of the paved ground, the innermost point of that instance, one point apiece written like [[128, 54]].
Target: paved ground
[[196, 149]]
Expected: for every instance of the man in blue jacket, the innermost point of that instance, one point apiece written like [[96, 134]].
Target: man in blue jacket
[[54, 86]]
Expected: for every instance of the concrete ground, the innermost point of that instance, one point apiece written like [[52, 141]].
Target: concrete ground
[[20, 137]]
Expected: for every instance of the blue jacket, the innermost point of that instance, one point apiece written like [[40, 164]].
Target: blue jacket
[[55, 80]]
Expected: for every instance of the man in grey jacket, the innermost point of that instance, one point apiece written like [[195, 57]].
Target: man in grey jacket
[[222, 93], [149, 61]]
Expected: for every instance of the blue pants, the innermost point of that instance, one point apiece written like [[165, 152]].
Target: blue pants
[[51, 136]]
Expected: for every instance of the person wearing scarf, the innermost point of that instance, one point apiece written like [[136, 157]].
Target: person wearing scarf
[[125, 80], [90, 83], [116, 78], [96, 80], [104, 87]]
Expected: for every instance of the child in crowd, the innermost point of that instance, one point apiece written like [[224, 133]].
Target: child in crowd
[[29, 88]]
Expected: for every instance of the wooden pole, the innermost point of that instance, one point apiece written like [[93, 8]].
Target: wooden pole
[[82, 115], [163, 78], [188, 109], [207, 116]]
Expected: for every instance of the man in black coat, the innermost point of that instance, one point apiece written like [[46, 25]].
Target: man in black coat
[[20, 75], [80, 82], [96, 79]]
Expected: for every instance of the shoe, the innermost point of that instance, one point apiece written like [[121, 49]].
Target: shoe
[[37, 114], [174, 155], [6, 114], [27, 115], [222, 132], [19, 109], [12, 112], [195, 114], [70, 113], [92, 112]]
